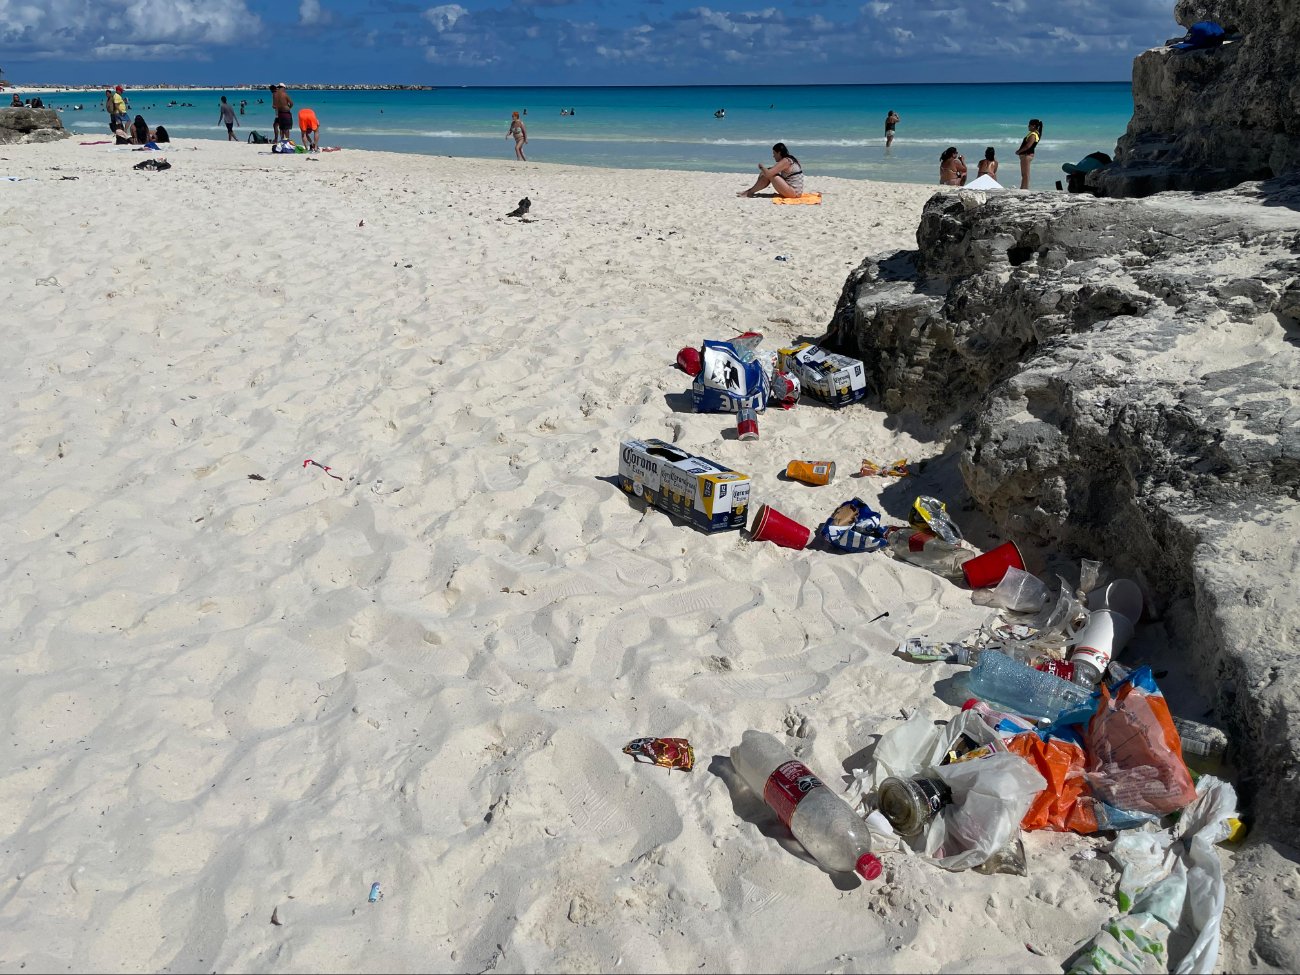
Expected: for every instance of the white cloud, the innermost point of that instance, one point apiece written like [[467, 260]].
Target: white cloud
[[310, 14], [184, 21], [444, 17], [100, 28]]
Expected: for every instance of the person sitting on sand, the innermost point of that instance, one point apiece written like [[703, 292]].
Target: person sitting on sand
[[952, 168], [989, 164], [786, 176], [519, 134], [140, 131], [309, 129]]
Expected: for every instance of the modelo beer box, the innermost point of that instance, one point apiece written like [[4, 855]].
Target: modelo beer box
[[827, 376], [711, 497]]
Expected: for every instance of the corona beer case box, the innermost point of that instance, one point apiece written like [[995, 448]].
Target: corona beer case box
[[711, 497], [827, 376]]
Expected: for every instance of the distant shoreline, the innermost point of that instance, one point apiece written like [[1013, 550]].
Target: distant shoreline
[[32, 89]]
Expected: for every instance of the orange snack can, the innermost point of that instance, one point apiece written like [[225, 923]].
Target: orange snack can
[[815, 472]]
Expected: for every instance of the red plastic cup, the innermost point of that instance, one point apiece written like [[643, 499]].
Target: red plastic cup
[[688, 361], [985, 571], [772, 526]]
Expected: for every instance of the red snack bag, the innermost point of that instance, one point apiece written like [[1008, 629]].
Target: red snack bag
[[670, 753]]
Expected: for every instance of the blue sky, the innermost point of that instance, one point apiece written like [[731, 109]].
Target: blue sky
[[576, 42]]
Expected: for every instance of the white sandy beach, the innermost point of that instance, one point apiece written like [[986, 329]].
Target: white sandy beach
[[225, 696]]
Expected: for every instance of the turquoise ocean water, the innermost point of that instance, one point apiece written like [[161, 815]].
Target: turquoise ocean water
[[835, 130]]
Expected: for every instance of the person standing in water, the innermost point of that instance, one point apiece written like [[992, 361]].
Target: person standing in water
[[891, 121], [519, 134], [1026, 150]]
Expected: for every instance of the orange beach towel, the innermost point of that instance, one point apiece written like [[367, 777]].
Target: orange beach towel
[[815, 198]]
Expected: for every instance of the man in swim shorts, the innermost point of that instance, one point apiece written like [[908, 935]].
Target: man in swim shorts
[[228, 119], [283, 106], [309, 129]]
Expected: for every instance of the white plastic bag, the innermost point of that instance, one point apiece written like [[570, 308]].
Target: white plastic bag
[[990, 797], [1172, 881]]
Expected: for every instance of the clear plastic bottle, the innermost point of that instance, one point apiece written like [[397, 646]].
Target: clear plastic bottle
[[1033, 656], [1021, 689], [928, 550], [746, 345], [826, 825]]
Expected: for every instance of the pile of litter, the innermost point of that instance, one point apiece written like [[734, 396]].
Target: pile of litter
[[1057, 733]]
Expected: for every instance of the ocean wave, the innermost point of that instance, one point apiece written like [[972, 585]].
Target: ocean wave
[[412, 133], [638, 139]]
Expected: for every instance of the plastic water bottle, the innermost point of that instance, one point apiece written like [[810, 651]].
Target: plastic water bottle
[[826, 825], [928, 550], [746, 345], [1021, 689]]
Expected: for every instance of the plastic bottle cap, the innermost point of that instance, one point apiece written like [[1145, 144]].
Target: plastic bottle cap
[[869, 866]]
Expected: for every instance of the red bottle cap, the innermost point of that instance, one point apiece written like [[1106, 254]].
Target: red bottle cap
[[868, 866], [970, 704]]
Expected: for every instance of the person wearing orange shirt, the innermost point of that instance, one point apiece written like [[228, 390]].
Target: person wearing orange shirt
[[309, 129]]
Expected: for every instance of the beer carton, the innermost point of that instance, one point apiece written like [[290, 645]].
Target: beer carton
[[827, 376], [711, 497]]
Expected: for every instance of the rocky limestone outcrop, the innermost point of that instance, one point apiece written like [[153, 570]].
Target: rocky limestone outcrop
[[1210, 119], [1121, 379], [20, 125]]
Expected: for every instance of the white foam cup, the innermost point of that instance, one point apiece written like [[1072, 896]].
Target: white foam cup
[[1103, 636], [1123, 596]]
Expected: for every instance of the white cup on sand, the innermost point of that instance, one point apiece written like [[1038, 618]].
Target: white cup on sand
[[1103, 635], [1123, 596]]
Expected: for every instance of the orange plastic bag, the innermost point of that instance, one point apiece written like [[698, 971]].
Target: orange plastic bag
[[1063, 805]]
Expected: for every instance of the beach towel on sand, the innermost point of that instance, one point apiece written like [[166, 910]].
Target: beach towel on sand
[[815, 198]]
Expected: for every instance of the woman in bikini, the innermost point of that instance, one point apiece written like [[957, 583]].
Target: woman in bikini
[[785, 176], [519, 134], [952, 168], [989, 164], [1026, 150]]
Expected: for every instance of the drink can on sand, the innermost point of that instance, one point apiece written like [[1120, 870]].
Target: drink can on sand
[[747, 423], [815, 472]]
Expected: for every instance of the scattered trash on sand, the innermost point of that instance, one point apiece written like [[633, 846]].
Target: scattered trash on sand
[[669, 753]]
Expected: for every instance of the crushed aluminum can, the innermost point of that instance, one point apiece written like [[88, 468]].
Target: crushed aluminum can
[[670, 753], [785, 389]]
